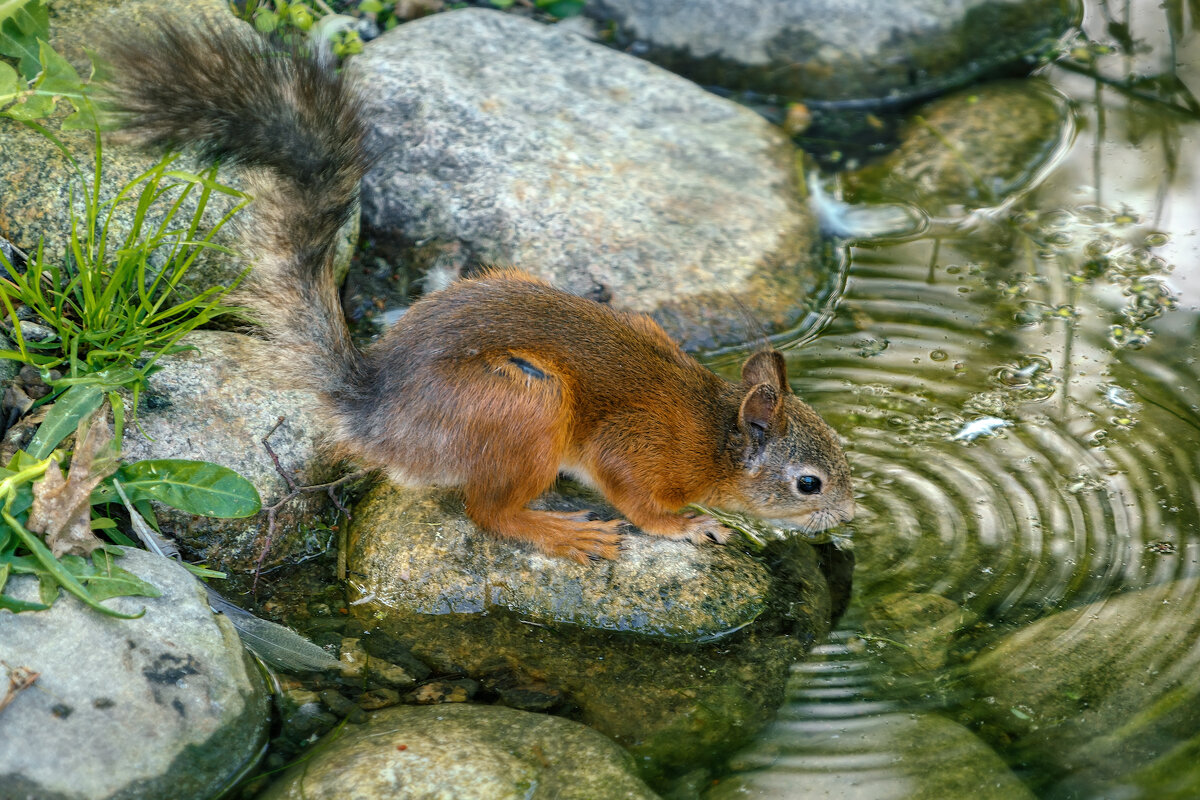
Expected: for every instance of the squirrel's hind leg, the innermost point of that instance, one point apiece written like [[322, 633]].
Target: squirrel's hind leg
[[521, 452]]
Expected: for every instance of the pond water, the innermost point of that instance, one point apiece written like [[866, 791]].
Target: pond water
[[1020, 393]]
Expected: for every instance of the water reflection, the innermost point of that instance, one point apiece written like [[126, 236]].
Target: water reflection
[[1021, 395]]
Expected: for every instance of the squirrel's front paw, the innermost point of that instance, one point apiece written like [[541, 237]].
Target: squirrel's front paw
[[698, 529]]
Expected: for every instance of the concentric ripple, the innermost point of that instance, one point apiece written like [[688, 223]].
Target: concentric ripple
[[1023, 443]]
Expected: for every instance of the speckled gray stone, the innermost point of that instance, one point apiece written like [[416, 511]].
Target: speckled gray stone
[[216, 403], [453, 751], [504, 141], [414, 550], [1104, 696], [973, 149], [836, 49], [166, 705], [882, 757]]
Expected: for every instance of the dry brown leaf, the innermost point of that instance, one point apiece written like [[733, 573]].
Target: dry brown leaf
[[61, 507]]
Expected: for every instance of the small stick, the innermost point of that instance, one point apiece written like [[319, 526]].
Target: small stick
[[293, 492]]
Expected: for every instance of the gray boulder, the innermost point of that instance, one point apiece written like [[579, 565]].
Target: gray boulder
[[863, 51], [503, 141], [165, 705]]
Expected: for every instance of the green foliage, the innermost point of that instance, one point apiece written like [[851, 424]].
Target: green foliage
[[30, 91], [555, 8], [115, 304], [196, 487], [561, 8], [298, 20], [113, 311]]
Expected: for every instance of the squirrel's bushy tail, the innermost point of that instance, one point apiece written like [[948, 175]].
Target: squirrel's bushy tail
[[296, 129]]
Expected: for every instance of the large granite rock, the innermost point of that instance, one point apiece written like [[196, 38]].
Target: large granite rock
[[482, 752], [503, 141], [165, 705], [857, 52]]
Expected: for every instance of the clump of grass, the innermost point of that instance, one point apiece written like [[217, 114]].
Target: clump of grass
[[114, 311]]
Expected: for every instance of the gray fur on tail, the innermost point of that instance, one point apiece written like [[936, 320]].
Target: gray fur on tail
[[295, 128]]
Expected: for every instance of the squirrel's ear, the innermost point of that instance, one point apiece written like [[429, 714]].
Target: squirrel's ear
[[767, 366], [758, 408]]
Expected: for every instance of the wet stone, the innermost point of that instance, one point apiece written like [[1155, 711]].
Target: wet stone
[[837, 50], [165, 705], [415, 550], [973, 149], [495, 611], [918, 629], [500, 753], [1103, 700], [885, 757], [216, 403], [603, 174]]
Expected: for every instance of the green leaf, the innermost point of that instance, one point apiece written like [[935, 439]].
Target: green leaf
[[20, 30], [197, 487], [9, 85], [58, 76], [36, 106], [105, 579], [17, 606], [105, 379], [73, 405], [51, 573], [561, 8]]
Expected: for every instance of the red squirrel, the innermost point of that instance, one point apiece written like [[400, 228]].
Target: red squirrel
[[495, 384]]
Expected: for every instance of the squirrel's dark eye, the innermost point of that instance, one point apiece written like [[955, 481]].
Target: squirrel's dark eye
[[808, 484]]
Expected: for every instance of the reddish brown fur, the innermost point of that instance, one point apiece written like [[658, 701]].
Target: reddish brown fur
[[495, 384]]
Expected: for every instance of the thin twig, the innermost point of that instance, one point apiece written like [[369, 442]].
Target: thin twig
[[295, 491]]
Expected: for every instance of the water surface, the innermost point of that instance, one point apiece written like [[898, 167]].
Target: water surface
[[1020, 393]]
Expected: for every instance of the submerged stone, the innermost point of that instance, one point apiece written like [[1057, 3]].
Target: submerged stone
[[614, 641], [482, 752], [165, 705], [974, 149], [837, 50], [1101, 700], [881, 757], [919, 629], [502, 141]]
